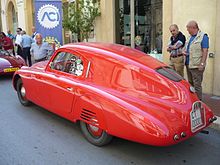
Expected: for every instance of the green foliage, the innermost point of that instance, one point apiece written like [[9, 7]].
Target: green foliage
[[79, 17]]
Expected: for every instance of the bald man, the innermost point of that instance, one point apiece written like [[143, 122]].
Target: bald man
[[196, 55], [40, 50]]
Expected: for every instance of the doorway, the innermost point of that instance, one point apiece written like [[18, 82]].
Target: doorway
[[12, 18], [147, 23]]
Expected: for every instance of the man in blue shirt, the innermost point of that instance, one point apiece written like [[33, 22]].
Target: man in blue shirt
[[26, 42], [196, 55], [41, 50]]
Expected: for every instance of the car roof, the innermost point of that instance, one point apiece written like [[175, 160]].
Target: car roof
[[119, 52]]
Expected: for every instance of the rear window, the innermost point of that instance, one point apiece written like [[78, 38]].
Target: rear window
[[169, 73], [136, 79]]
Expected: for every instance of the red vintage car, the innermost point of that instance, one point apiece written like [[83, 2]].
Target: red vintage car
[[113, 90], [10, 63]]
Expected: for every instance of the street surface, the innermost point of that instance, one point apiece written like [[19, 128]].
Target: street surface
[[33, 136]]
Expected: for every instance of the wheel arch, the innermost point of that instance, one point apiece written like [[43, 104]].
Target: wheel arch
[[15, 80], [89, 110]]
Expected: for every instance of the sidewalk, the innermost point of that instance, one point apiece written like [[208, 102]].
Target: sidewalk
[[214, 103]]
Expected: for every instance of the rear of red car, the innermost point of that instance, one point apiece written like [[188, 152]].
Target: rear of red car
[[158, 108], [150, 103], [155, 119]]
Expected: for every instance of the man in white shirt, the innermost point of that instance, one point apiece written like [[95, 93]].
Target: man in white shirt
[[18, 41], [34, 33]]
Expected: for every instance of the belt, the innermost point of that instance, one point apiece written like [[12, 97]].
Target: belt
[[42, 59], [179, 55]]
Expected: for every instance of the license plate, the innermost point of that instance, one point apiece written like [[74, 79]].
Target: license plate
[[10, 69], [197, 116]]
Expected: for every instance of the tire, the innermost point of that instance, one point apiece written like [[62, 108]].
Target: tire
[[22, 93], [98, 138]]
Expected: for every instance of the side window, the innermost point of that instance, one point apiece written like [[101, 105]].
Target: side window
[[74, 65], [69, 63], [59, 62]]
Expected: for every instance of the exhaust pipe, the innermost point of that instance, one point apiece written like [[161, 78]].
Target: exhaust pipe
[[204, 131], [211, 120]]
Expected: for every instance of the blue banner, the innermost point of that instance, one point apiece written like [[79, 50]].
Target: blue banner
[[48, 20]]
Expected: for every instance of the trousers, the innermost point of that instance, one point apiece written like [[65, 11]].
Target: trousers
[[27, 55], [177, 64], [195, 77]]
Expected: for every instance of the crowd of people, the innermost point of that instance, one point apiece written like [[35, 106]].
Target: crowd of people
[[191, 52], [31, 48]]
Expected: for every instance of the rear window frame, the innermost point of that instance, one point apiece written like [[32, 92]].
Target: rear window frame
[[169, 73]]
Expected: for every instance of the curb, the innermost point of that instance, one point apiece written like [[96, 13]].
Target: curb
[[216, 124]]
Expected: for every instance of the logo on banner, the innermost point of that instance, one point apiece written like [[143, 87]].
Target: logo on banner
[[48, 16]]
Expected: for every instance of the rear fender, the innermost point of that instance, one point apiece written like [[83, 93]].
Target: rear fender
[[133, 124]]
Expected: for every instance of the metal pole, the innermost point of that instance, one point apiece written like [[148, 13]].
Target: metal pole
[[132, 21], [0, 16]]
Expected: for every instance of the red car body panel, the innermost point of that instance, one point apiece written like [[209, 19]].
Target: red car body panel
[[119, 91]]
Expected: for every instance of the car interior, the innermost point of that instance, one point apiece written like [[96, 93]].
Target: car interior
[[69, 63]]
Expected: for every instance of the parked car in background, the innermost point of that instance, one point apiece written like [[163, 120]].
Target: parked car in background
[[10, 63], [113, 90]]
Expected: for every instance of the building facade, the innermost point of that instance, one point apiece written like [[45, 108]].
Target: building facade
[[143, 24], [17, 13]]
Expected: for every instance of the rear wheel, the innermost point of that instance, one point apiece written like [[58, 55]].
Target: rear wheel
[[21, 91], [94, 134]]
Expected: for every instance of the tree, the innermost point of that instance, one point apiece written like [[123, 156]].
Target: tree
[[80, 17]]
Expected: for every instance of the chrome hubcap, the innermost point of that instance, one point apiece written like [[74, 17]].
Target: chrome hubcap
[[23, 92], [94, 128], [95, 131]]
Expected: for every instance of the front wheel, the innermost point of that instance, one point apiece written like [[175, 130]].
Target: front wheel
[[94, 134], [21, 91]]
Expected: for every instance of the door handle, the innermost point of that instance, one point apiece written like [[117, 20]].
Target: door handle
[[69, 89]]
